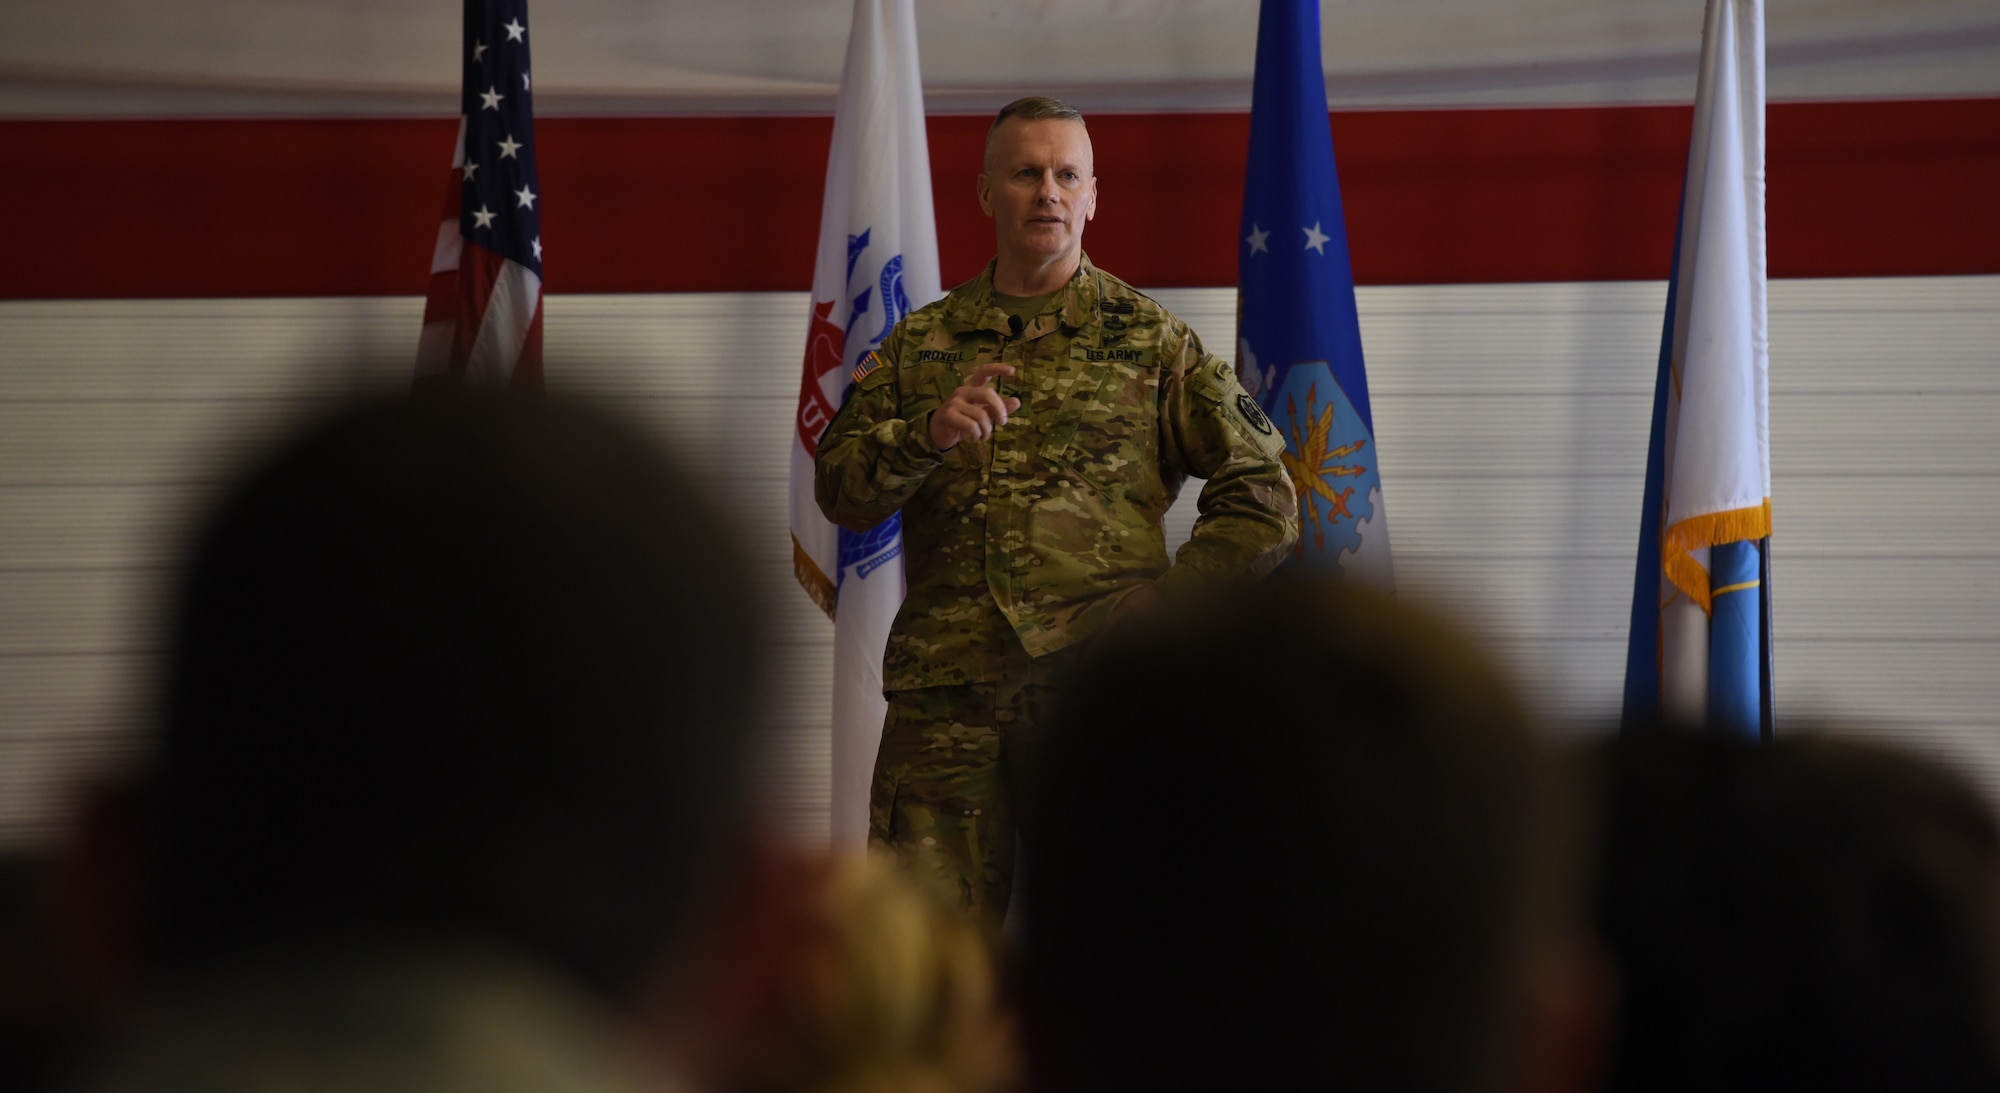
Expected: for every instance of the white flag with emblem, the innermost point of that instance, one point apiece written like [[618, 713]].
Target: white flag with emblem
[[877, 261]]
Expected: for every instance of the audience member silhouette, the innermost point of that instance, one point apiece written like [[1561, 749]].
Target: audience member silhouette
[[1806, 914], [453, 779], [896, 993], [1303, 838]]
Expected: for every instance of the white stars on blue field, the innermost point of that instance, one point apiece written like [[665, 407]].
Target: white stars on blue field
[[501, 197], [1259, 239]]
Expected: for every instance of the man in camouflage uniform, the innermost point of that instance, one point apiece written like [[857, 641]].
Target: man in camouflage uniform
[[1033, 427]]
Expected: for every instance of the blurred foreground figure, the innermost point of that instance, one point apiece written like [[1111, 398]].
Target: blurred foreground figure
[[1807, 914], [1304, 839], [896, 993], [452, 782]]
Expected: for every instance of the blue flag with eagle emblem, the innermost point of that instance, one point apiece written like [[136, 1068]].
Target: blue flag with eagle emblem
[[1298, 335]]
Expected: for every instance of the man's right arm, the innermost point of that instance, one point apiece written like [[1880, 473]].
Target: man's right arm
[[870, 458]]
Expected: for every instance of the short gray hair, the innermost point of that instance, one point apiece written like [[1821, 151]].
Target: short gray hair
[[1031, 108], [1036, 108]]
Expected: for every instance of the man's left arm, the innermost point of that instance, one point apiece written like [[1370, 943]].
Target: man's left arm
[[1211, 428]]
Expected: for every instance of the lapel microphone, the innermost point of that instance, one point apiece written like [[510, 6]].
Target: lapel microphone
[[1014, 325]]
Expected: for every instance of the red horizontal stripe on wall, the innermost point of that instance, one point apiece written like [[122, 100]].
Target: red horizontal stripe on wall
[[177, 208]]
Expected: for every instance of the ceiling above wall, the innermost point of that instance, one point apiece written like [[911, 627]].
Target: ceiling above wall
[[400, 57]]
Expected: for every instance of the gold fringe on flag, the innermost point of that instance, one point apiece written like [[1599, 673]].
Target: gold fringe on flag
[[1678, 545], [811, 579]]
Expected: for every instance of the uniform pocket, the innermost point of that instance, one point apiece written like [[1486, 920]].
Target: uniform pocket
[[1109, 438], [1110, 409]]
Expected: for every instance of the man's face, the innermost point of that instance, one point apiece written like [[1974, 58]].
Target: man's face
[[1039, 188]]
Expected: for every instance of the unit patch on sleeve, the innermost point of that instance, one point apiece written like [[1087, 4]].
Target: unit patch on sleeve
[[1252, 413]]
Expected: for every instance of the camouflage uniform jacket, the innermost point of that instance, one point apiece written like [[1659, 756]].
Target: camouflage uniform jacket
[[1028, 539]]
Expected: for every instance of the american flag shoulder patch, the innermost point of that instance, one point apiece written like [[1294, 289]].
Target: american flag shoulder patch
[[868, 363]]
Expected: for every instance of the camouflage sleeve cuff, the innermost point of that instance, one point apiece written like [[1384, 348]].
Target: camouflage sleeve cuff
[[918, 447], [1182, 580]]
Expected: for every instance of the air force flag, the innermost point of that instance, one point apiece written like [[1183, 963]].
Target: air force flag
[[1299, 339], [877, 261]]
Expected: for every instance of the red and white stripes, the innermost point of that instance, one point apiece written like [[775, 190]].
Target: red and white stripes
[[483, 314]]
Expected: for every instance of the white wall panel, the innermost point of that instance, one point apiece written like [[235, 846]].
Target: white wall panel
[[1511, 421]]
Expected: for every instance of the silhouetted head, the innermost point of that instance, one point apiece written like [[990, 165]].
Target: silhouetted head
[[1805, 914], [1300, 838], [471, 668]]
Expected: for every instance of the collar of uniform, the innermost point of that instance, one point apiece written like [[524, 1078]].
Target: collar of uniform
[[978, 311], [1080, 296]]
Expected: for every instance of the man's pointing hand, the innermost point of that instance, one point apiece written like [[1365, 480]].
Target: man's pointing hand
[[974, 410]]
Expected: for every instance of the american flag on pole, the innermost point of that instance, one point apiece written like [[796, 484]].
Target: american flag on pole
[[483, 315], [877, 262]]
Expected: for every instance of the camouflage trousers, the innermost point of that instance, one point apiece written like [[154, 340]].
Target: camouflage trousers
[[941, 802]]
